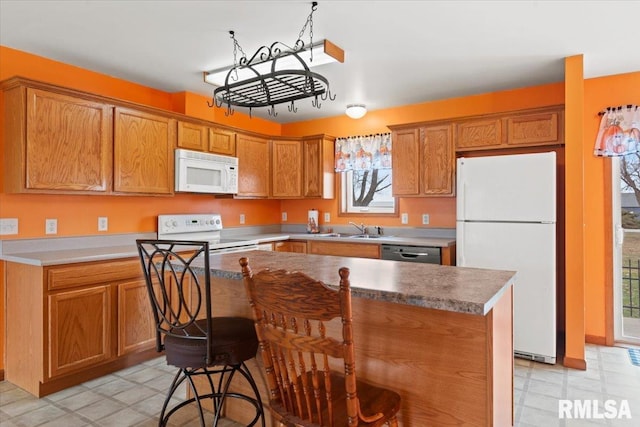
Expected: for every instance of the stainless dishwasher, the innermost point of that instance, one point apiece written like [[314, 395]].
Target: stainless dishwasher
[[424, 254]]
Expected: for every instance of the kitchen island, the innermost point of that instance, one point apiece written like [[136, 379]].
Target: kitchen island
[[442, 337]]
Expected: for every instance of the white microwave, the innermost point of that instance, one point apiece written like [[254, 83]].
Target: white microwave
[[206, 173]]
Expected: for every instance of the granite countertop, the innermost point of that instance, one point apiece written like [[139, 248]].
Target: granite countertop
[[46, 252], [458, 289]]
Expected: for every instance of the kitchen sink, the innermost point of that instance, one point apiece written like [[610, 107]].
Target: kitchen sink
[[365, 236]]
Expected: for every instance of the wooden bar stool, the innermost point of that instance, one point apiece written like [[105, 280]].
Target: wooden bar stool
[[291, 312], [194, 341]]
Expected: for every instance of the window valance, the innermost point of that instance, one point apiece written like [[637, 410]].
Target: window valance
[[363, 152], [619, 133]]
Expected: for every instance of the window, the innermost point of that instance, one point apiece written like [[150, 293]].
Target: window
[[364, 166], [367, 192]]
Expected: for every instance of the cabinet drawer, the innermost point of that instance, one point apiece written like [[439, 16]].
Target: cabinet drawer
[[358, 250], [62, 277]]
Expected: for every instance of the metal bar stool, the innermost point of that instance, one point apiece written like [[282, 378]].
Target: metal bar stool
[[194, 341]]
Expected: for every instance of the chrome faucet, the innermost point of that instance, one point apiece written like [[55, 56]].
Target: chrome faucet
[[362, 228]]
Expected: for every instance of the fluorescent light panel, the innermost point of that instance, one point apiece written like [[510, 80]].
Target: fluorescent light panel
[[324, 52]]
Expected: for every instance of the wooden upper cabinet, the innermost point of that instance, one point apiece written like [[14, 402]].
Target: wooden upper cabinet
[[423, 161], [222, 141], [143, 152], [479, 133], [286, 169], [56, 143], [406, 162], [534, 129], [318, 167], [253, 166], [529, 128], [438, 160], [200, 137], [192, 136]]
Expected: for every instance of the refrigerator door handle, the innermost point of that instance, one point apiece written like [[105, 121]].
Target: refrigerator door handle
[[460, 245]]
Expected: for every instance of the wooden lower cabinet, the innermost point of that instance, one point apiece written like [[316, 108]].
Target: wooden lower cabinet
[[356, 250], [298, 246], [71, 323], [79, 329], [136, 327]]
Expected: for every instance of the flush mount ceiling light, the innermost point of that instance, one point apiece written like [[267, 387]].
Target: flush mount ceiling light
[[275, 74], [356, 111]]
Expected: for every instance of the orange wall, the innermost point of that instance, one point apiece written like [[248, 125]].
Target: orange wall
[[440, 209]]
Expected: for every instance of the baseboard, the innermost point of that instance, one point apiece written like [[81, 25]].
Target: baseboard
[[594, 339], [573, 363]]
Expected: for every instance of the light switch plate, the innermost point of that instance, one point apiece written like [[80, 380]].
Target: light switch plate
[[327, 217], [284, 216], [404, 218], [242, 218], [8, 226]]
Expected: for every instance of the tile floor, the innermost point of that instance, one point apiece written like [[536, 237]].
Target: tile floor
[[132, 397]]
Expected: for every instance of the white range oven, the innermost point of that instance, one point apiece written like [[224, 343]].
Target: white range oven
[[202, 227]]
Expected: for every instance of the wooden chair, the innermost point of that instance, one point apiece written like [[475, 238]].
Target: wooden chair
[[292, 313], [194, 341]]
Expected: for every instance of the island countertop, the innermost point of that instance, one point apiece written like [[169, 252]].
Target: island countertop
[[456, 289]]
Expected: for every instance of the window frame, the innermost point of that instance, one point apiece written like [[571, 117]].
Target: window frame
[[340, 184]]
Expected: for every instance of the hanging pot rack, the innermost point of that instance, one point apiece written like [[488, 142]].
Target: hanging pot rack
[[278, 86]]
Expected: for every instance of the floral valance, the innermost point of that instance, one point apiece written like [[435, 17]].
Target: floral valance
[[619, 133], [363, 152]]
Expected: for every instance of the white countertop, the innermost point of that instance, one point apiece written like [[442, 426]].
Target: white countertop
[[42, 252]]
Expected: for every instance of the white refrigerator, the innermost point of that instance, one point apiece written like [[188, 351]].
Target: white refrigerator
[[506, 220]]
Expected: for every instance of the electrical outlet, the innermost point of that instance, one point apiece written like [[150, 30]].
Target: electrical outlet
[[404, 218], [51, 226], [284, 216], [327, 217], [8, 226], [241, 218], [425, 219], [103, 223]]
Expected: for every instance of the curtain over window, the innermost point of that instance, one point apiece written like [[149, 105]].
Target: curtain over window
[[619, 133], [363, 152]]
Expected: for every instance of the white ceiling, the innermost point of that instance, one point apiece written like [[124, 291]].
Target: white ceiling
[[396, 52]]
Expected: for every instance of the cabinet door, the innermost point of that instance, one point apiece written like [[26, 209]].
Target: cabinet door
[[67, 143], [291, 246], [222, 141], [143, 152], [253, 166], [406, 162], [358, 250], [318, 168], [438, 160], [193, 136], [286, 170], [534, 129], [79, 329], [479, 133], [136, 324]]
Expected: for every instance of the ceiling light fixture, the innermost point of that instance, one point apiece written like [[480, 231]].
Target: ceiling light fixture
[[356, 111], [275, 74]]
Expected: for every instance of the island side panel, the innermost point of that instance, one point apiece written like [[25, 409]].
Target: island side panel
[[500, 323], [25, 326], [437, 360]]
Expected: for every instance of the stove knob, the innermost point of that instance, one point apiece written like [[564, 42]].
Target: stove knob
[[218, 221], [174, 223]]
